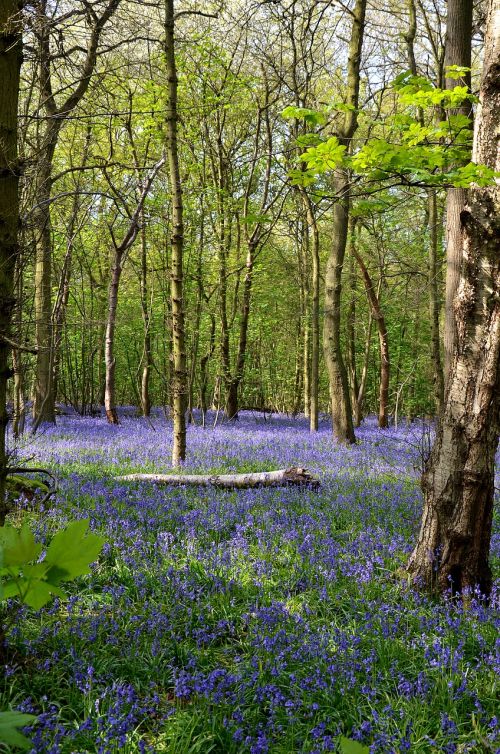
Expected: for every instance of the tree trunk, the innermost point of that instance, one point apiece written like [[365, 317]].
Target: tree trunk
[[339, 388], [179, 374], [313, 386], [360, 397], [378, 316], [457, 52], [109, 339], [43, 405], [147, 357], [10, 64], [351, 325], [434, 307], [458, 481], [43, 398]]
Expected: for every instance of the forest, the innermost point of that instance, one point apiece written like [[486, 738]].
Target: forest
[[249, 376]]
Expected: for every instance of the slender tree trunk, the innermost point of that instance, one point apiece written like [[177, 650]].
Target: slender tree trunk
[[306, 318], [343, 428], [43, 398], [360, 398], [109, 339], [179, 375], [43, 404], [458, 52], [313, 386], [378, 316], [147, 358], [10, 64], [19, 415], [458, 481], [434, 308], [351, 324]]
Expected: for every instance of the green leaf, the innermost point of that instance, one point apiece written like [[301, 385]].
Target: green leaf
[[9, 723], [314, 117], [19, 546], [39, 593], [456, 71], [70, 552], [324, 157], [348, 746]]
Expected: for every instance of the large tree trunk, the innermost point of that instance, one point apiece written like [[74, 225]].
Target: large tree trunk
[[458, 481], [10, 64], [179, 374], [339, 387], [458, 52]]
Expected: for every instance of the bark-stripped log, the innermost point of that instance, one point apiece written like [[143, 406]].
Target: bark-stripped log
[[293, 476]]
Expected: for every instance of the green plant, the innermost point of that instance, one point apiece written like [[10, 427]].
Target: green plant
[[34, 581]]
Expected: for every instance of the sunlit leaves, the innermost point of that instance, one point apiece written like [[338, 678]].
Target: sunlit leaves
[[325, 156], [69, 554], [411, 149]]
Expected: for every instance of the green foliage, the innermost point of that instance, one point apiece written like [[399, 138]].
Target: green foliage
[[348, 746], [68, 555], [411, 151], [311, 117], [9, 733]]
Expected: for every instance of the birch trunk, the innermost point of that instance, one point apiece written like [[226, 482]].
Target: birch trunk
[[294, 476]]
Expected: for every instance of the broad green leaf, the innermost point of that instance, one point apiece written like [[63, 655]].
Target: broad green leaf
[[19, 546], [39, 593], [348, 746], [9, 723], [70, 552]]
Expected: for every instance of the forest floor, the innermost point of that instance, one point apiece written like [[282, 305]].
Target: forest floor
[[266, 620]]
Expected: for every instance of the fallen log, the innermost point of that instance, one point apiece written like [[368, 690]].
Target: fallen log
[[279, 478]]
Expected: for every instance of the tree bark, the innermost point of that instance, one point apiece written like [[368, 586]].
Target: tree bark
[[457, 52], [10, 65], [458, 481], [179, 373], [343, 428]]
